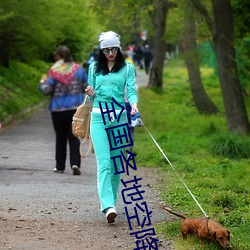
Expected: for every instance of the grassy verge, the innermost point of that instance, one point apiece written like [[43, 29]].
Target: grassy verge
[[214, 164], [19, 88]]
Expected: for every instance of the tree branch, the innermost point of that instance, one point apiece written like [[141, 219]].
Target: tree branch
[[202, 9], [172, 5]]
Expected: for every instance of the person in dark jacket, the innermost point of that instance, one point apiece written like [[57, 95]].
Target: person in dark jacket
[[147, 54]]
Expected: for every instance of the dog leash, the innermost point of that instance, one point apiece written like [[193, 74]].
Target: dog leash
[[174, 169]]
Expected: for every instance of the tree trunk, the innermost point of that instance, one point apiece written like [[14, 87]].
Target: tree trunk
[[159, 46], [235, 109], [223, 38], [201, 99]]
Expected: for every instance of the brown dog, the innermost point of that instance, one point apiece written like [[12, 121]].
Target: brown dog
[[204, 229]]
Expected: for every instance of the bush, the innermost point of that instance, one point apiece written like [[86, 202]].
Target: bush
[[231, 146], [224, 200], [19, 88]]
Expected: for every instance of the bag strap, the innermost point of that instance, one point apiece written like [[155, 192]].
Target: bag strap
[[85, 99], [91, 148], [93, 73], [126, 83], [127, 73], [93, 70], [86, 138]]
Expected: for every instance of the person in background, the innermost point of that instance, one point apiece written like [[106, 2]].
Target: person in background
[[138, 52], [93, 54], [127, 58], [147, 54], [108, 78], [65, 83], [92, 57]]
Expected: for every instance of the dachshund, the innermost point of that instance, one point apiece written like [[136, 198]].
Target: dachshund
[[204, 229]]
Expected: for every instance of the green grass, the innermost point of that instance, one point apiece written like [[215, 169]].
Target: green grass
[[19, 88], [214, 164]]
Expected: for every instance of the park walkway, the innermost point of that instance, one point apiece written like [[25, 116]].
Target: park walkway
[[40, 209]]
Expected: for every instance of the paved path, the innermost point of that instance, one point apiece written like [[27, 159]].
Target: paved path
[[29, 189], [141, 78]]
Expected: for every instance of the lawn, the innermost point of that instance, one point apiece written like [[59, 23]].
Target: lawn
[[199, 151]]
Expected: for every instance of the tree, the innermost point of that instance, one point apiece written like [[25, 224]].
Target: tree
[[201, 99], [159, 46], [241, 17], [242, 33], [23, 33], [223, 38], [128, 18], [28, 33]]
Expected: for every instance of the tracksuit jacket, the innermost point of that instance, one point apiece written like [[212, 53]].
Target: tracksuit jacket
[[112, 85]]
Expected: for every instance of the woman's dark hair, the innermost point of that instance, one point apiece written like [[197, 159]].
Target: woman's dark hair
[[102, 67], [63, 52]]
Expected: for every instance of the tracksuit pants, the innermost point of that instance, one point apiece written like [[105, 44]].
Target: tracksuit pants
[[107, 182]]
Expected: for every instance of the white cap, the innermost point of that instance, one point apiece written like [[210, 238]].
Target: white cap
[[109, 39]]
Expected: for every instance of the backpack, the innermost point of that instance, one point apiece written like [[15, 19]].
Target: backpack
[[81, 125]]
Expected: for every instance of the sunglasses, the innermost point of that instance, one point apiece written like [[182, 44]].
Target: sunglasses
[[106, 51]]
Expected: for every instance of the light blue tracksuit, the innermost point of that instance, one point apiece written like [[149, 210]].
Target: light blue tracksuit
[[107, 87]]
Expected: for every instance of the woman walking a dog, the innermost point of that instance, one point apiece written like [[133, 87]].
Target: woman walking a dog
[[108, 78]]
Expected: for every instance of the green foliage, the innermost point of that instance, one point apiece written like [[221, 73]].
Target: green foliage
[[175, 25], [231, 146], [128, 18], [219, 183], [170, 229], [241, 17], [176, 18], [224, 200], [29, 33], [243, 59], [19, 87]]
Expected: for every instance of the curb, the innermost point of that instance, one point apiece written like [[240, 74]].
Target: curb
[[22, 114]]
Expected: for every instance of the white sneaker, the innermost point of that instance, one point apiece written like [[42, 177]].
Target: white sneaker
[[76, 170], [58, 171], [111, 214]]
